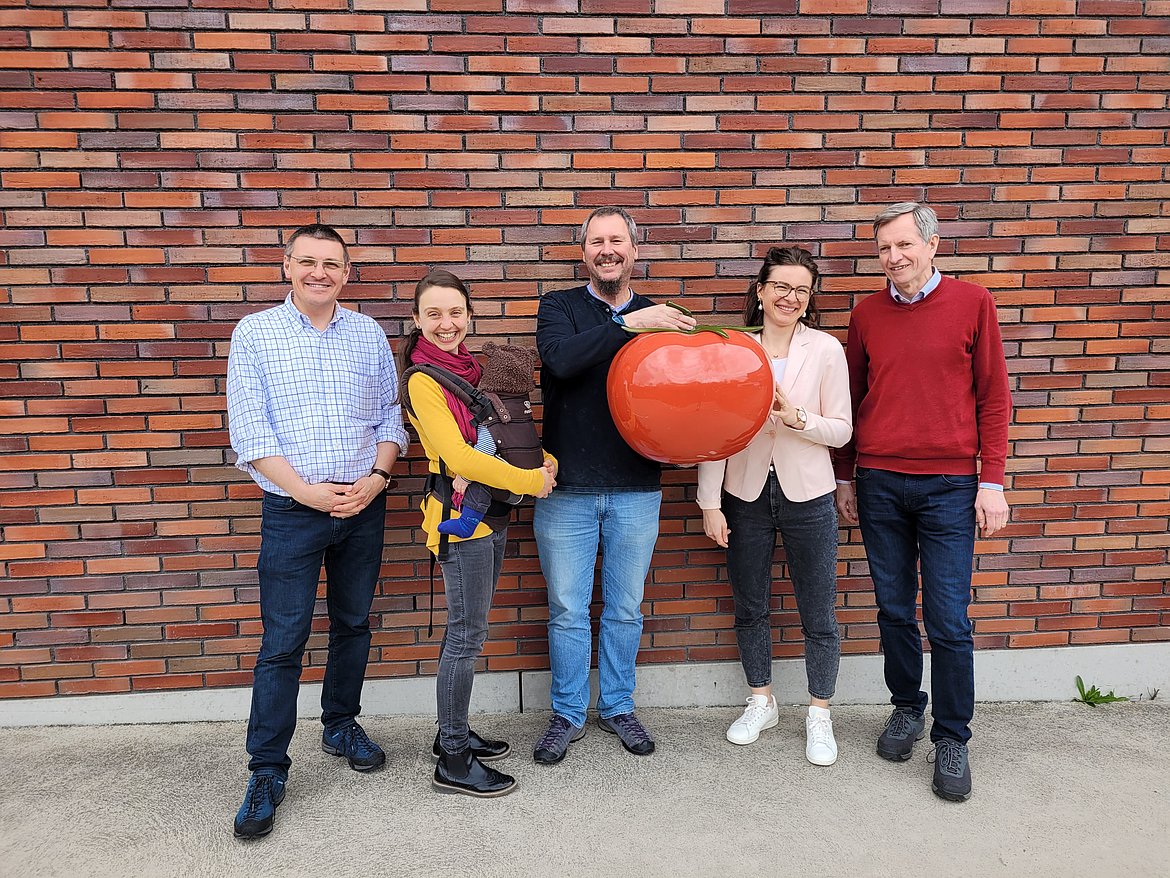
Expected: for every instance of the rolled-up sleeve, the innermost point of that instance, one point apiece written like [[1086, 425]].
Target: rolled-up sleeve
[[250, 433], [391, 428]]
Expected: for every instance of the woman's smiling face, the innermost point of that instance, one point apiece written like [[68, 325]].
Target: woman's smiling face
[[785, 294], [443, 317]]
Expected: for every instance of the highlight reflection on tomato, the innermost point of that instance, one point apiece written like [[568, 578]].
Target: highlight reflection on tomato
[[684, 398]]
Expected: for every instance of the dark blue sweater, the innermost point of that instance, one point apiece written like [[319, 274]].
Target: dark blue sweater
[[577, 340]]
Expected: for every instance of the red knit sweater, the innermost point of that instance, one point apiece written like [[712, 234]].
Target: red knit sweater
[[929, 385]]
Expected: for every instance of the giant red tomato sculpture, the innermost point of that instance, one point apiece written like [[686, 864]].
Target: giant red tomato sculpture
[[688, 397]]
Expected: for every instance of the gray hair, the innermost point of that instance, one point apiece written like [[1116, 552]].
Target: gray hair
[[925, 218], [611, 211]]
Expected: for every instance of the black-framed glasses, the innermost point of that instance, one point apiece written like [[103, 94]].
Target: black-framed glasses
[[783, 290]]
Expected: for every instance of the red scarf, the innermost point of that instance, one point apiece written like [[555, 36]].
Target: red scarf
[[460, 363]]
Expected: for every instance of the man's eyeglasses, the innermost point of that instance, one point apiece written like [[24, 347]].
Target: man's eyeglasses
[[783, 291], [330, 265]]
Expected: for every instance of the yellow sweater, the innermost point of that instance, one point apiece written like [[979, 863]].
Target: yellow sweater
[[441, 439]]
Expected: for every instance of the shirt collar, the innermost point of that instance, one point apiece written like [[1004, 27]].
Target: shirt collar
[[619, 310], [296, 314], [926, 290]]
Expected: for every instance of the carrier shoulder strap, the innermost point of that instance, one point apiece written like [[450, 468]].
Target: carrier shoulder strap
[[477, 403]]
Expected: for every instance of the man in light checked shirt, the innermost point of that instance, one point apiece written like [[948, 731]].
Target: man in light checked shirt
[[312, 416]]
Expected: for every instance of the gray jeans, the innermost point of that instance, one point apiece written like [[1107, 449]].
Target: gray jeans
[[469, 577], [809, 532]]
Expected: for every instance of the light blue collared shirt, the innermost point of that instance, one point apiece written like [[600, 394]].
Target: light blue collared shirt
[[615, 311], [927, 289], [321, 400]]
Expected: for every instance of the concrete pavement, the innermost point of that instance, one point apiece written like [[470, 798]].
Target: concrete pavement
[[1060, 789]]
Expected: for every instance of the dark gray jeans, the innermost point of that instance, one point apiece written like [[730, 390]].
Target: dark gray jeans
[[469, 577], [809, 532]]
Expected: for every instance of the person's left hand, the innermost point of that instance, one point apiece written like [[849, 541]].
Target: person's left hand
[[359, 495], [991, 511], [783, 409]]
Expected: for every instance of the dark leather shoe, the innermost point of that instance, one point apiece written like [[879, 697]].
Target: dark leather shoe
[[463, 773], [484, 750]]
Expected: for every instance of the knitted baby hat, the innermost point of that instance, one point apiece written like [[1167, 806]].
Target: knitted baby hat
[[507, 369]]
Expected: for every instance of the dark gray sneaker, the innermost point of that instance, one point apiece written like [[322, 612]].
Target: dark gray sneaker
[[632, 733], [952, 771], [903, 728], [551, 748]]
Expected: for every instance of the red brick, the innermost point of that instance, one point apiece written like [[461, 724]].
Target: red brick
[[146, 197]]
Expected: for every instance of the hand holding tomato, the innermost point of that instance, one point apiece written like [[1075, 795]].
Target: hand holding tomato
[[784, 410], [660, 317]]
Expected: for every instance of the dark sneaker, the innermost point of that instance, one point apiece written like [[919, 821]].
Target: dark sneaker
[[483, 749], [463, 773], [903, 728], [256, 815], [352, 742], [551, 748], [952, 771], [632, 733]]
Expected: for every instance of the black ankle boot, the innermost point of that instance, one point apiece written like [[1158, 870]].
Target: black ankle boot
[[484, 750], [463, 773]]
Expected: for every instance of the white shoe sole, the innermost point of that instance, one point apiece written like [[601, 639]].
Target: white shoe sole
[[770, 724], [820, 762]]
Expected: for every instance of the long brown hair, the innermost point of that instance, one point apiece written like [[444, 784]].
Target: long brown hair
[[436, 277], [753, 312]]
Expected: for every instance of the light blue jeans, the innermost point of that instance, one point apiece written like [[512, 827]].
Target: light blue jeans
[[569, 527]]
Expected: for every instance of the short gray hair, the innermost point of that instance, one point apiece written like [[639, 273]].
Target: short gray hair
[[611, 211], [924, 218]]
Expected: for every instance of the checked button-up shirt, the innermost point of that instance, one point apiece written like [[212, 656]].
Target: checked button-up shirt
[[321, 400]]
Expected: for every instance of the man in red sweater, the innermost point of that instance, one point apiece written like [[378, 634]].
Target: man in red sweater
[[931, 407]]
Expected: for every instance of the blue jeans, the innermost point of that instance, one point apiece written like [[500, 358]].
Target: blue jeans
[[809, 532], [294, 541], [569, 527], [470, 574], [908, 521]]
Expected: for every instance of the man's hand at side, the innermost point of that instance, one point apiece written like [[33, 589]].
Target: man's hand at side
[[991, 511]]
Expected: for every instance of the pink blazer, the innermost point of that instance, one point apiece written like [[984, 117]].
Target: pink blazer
[[816, 377]]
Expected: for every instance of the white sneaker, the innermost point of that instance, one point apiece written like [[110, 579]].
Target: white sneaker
[[820, 747], [761, 713]]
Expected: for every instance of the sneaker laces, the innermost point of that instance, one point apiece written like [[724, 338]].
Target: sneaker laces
[[357, 741], [820, 730], [898, 725], [756, 709], [633, 731], [949, 755], [557, 728], [259, 789]]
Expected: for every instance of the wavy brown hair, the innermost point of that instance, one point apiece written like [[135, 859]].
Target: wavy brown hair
[[753, 312]]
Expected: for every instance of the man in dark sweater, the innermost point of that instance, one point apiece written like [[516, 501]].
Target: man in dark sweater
[[931, 407], [606, 492]]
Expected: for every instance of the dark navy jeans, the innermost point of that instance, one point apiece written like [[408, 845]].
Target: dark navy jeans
[[809, 532], [294, 542], [908, 522]]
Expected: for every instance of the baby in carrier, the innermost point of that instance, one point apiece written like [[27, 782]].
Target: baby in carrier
[[507, 431]]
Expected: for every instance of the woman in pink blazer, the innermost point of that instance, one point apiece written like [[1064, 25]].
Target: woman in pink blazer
[[783, 482]]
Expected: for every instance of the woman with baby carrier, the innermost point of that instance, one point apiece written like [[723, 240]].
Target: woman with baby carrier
[[471, 566]]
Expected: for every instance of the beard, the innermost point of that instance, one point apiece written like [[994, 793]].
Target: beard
[[610, 288]]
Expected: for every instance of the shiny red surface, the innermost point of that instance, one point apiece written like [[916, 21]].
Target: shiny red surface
[[682, 399]]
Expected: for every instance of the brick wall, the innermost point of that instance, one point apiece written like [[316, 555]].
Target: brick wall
[[153, 153]]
